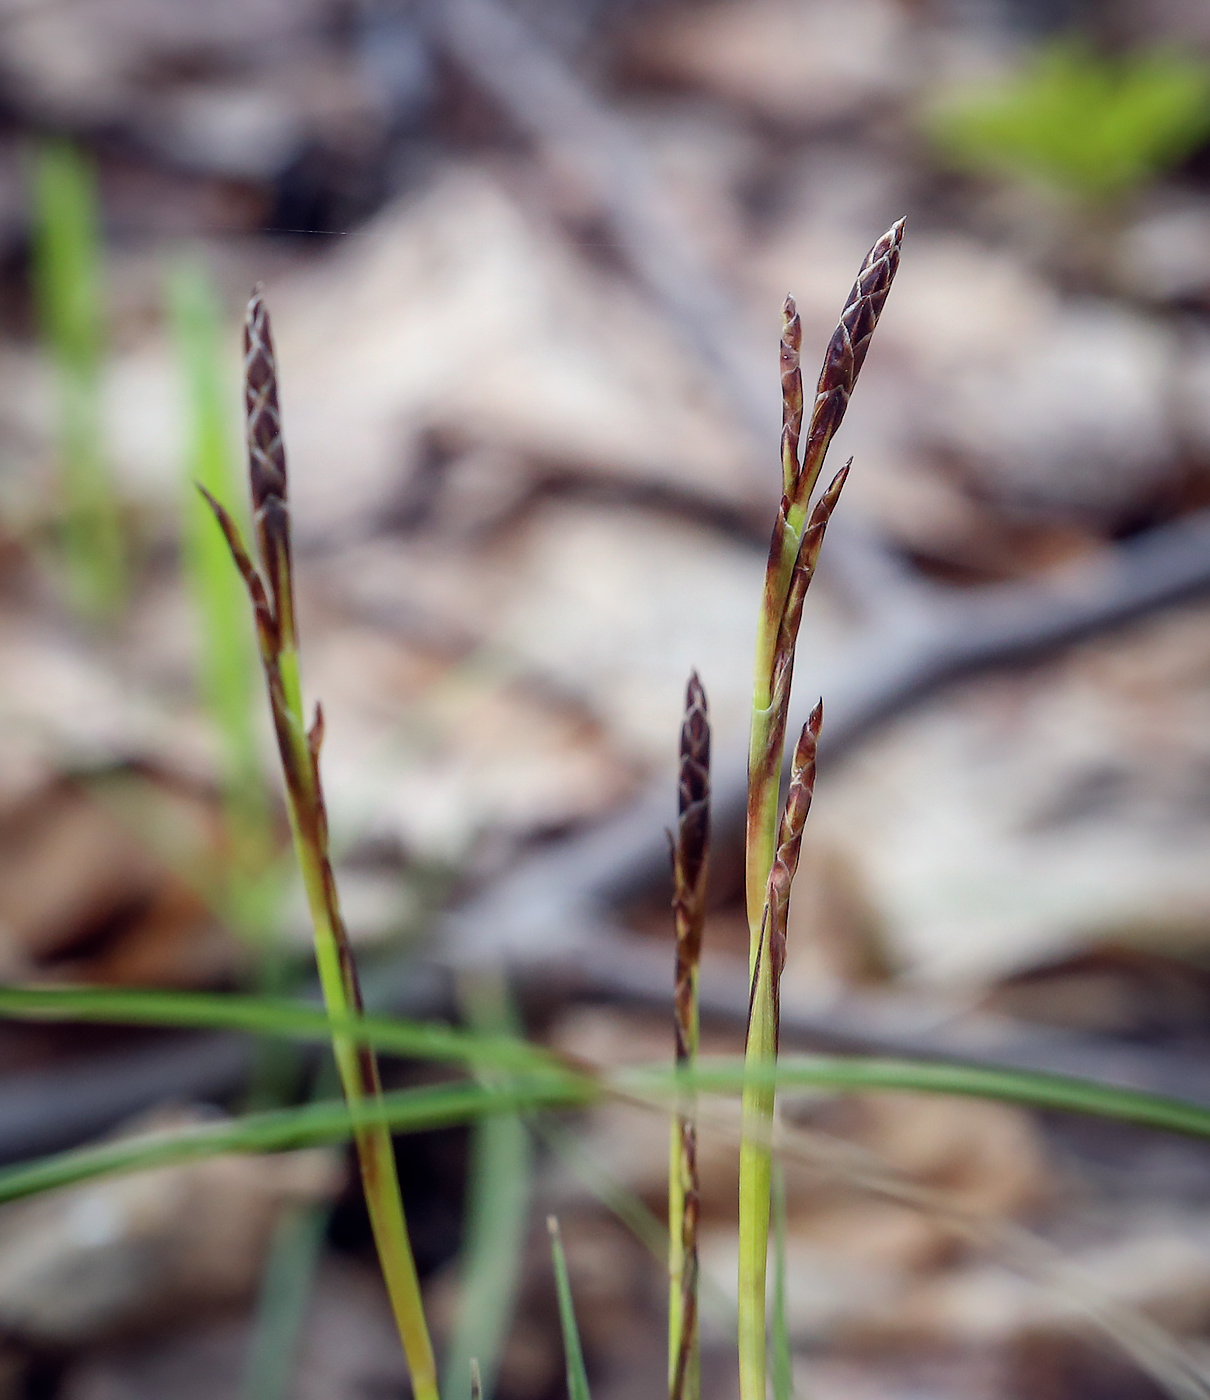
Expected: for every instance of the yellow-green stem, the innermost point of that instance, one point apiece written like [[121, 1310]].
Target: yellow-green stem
[[755, 1182], [764, 794], [375, 1151]]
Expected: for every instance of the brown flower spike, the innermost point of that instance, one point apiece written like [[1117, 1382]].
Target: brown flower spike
[[690, 857]]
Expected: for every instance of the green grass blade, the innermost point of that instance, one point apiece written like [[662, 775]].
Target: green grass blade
[[498, 1193], [573, 1352], [281, 1307], [280, 1130], [67, 263], [424, 1040], [712, 1075], [783, 1363], [860, 1075]]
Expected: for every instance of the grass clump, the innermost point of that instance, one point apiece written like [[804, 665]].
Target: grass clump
[[504, 1079]]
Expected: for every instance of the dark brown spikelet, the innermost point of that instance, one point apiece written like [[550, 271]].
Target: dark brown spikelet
[[690, 859], [789, 845], [804, 568], [267, 461], [791, 393], [690, 856], [869, 293], [693, 789], [266, 454], [847, 349]]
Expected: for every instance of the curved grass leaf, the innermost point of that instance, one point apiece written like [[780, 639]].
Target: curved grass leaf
[[721, 1075], [577, 1376], [497, 1212], [423, 1040], [408, 1111]]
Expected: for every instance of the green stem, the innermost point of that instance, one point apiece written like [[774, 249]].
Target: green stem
[[357, 1066], [755, 1180]]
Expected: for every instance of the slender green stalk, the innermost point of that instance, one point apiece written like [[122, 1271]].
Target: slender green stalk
[[783, 1361], [793, 553], [764, 1018], [271, 590], [67, 285], [690, 855], [573, 1352], [284, 1294], [497, 1210]]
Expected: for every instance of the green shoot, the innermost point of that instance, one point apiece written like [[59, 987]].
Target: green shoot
[[577, 1376], [772, 841], [783, 1362], [532, 1065], [284, 1129], [1093, 125], [122, 1006], [281, 1306], [498, 1189], [67, 269], [532, 1086], [690, 853], [271, 593]]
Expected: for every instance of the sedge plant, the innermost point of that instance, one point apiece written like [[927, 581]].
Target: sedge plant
[[270, 586], [774, 833], [247, 881], [503, 1075]]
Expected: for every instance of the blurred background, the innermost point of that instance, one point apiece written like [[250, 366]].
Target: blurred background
[[526, 261]]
